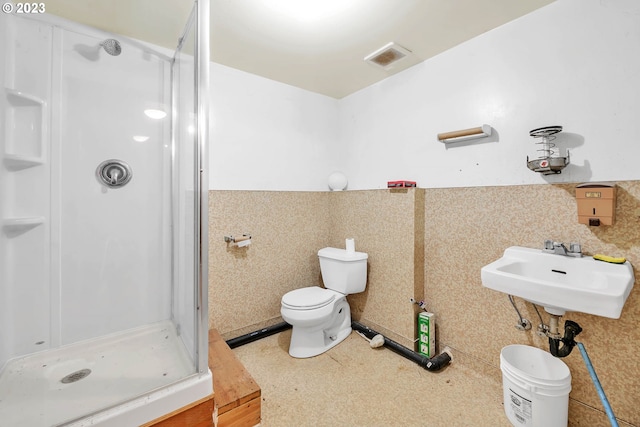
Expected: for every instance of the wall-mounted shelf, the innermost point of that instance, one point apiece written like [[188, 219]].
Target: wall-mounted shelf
[[15, 226], [26, 138], [549, 161], [15, 163], [23, 99], [465, 134]]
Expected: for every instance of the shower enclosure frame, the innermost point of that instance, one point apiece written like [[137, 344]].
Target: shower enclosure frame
[[155, 403], [199, 18], [202, 70]]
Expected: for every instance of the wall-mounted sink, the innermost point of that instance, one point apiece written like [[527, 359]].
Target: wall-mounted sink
[[561, 283]]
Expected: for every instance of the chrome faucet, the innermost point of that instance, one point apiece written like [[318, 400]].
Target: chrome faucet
[[558, 248]]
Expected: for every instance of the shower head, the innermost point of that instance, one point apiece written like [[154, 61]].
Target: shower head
[[112, 47]]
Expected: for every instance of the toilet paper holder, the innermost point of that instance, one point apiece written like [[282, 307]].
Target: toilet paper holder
[[241, 241]]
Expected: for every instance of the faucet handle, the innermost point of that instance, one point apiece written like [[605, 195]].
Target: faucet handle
[[548, 244], [575, 248]]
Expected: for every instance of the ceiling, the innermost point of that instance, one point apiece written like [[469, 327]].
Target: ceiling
[[317, 45]]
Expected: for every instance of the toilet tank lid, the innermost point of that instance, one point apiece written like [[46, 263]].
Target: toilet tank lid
[[342, 254]]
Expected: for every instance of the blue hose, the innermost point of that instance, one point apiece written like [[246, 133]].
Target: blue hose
[[596, 382]]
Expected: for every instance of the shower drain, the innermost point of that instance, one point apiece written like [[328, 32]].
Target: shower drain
[[76, 376]]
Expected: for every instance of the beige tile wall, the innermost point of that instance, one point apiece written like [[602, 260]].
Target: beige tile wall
[[246, 284], [384, 225], [429, 243], [468, 228]]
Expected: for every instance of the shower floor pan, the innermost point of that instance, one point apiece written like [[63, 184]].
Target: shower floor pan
[[55, 386]]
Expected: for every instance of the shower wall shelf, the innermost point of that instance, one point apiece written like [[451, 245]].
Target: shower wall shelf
[[15, 226], [21, 99], [15, 162], [24, 142], [465, 134]]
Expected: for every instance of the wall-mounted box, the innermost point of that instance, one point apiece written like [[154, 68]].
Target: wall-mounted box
[[596, 203]]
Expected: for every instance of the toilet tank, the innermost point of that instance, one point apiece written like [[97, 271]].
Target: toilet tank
[[342, 271]]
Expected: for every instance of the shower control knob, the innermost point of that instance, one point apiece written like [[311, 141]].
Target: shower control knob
[[114, 173]]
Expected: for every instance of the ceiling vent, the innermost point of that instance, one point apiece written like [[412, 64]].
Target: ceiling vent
[[387, 55]]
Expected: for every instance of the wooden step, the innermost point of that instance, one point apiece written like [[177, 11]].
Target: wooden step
[[198, 414], [236, 395]]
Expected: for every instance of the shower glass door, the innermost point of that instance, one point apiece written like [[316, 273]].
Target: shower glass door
[[102, 273]]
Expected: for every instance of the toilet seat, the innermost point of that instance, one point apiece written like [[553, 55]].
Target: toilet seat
[[309, 298]]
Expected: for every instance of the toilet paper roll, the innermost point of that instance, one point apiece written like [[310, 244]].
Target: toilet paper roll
[[243, 243], [351, 245]]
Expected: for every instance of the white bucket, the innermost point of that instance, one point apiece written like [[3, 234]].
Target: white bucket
[[536, 387]]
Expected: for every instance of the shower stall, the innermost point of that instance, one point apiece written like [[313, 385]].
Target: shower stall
[[103, 201]]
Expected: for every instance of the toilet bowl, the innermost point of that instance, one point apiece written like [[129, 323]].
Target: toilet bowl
[[318, 324], [321, 317]]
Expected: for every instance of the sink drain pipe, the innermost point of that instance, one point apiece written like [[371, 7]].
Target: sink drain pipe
[[256, 335], [596, 383], [571, 330], [434, 364]]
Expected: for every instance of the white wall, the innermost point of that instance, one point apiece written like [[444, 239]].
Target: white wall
[[574, 63], [267, 135]]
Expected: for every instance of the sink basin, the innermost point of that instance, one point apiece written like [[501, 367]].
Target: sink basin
[[561, 283]]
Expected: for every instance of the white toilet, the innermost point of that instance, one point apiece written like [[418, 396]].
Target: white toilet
[[321, 317]]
